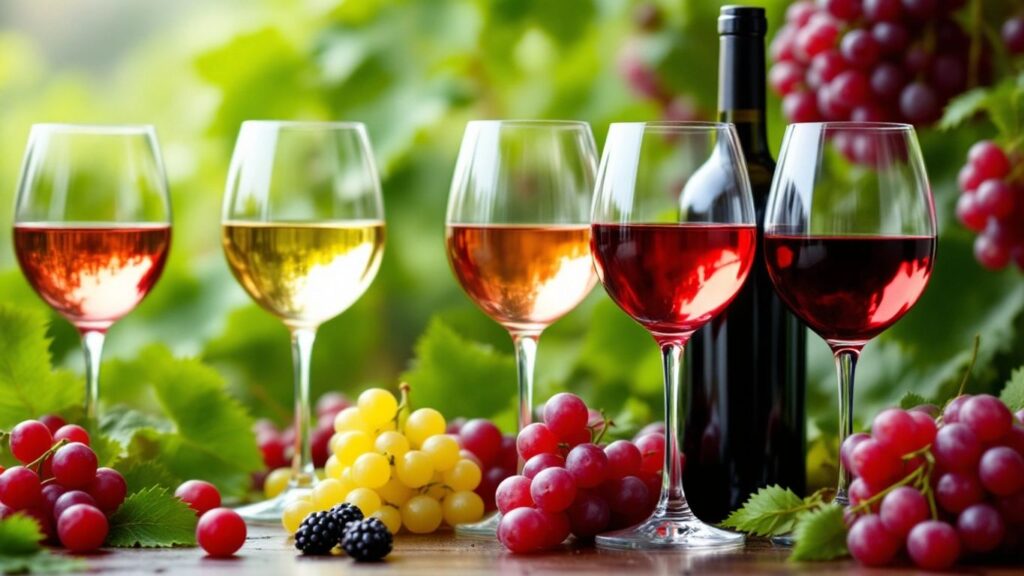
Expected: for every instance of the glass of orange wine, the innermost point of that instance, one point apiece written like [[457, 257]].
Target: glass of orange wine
[[303, 232], [518, 233], [92, 227]]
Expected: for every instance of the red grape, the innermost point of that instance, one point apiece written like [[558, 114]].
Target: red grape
[[481, 437], [542, 462], [933, 545], [901, 509], [981, 528], [82, 528], [588, 465], [624, 459], [1013, 35], [895, 430], [69, 499], [783, 46], [920, 9], [553, 489], [201, 496], [652, 452], [882, 10], [556, 527], [523, 530], [825, 67], [329, 404], [970, 213], [845, 10], [72, 433], [924, 428], [800, 107], [221, 532], [969, 179], [887, 81], [508, 457], [799, 13], [860, 492], [29, 440], [274, 450], [846, 450], [536, 439], [589, 515], [860, 48], [53, 422], [892, 38], [956, 447], [919, 104], [955, 491], [319, 442], [1001, 471], [628, 499], [996, 198], [74, 465], [820, 34], [785, 77], [49, 495], [986, 415], [565, 414], [1012, 508], [990, 253], [512, 493], [951, 414], [108, 488], [492, 478], [875, 463], [20, 488], [871, 543], [989, 160]]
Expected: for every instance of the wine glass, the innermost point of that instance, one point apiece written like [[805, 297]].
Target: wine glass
[[92, 227], [303, 232], [849, 238], [673, 240], [517, 233]]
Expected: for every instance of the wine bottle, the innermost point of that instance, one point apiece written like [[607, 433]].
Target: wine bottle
[[745, 413]]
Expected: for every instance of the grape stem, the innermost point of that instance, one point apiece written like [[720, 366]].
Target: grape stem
[[606, 423], [404, 406], [966, 378], [38, 462], [919, 478]]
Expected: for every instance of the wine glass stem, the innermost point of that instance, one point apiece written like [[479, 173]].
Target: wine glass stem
[[526, 356], [302, 459], [672, 498], [92, 345], [846, 364]]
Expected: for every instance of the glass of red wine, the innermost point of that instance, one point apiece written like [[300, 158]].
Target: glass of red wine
[[92, 227], [850, 237], [517, 234], [673, 240]]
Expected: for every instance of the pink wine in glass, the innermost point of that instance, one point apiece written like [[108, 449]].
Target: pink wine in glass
[[93, 275], [673, 278], [849, 289]]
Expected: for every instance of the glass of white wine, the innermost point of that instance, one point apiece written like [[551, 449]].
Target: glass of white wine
[[303, 232]]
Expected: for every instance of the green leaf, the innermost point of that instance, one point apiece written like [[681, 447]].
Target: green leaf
[[210, 435], [42, 563], [142, 474], [28, 386], [152, 518], [963, 107], [820, 534], [770, 511], [108, 451], [1013, 393], [19, 536], [911, 399], [444, 359]]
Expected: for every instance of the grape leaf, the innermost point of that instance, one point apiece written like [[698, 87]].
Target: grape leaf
[[29, 387], [770, 511], [19, 536], [963, 107], [1013, 393], [911, 399], [445, 359], [820, 534], [152, 518], [108, 451], [140, 474]]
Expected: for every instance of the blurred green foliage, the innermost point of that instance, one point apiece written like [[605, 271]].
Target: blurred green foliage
[[415, 72]]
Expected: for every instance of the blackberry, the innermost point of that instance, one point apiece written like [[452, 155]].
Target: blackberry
[[346, 514], [367, 540], [318, 533]]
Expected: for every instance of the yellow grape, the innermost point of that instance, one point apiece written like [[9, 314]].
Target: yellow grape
[[391, 517], [371, 470], [331, 443], [395, 492], [388, 426], [423, 424], [463, 507], [467, 455], [351, 445], [465, 475], [276, 482], [329, 493], [421, 514], [365, 499], [437, 489], [414, 468], [443, 450], [378, 406], [346, 475], [351, 418], [294, 513], [333, 468], [391, 443]]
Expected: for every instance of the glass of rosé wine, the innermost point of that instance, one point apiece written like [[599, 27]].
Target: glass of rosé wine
[[517, 234], [849, 238], [92, 227], [673, 240]]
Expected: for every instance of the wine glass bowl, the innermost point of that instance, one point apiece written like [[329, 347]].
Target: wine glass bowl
[[850, 237], [303, 233], [92, 227], [674, 237], [518, 236]]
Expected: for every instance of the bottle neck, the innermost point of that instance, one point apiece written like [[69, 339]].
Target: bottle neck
[[741, 91]]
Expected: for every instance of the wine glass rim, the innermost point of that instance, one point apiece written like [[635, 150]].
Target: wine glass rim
[[680, 125], [530, 123], [307, 124], [98, 129], [845, 125]]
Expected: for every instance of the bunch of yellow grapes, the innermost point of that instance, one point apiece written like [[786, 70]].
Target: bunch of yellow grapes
[[406, 473]]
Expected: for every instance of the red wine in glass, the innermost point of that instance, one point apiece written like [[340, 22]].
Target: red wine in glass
[[673, 278], [92, 275], [849, 289]]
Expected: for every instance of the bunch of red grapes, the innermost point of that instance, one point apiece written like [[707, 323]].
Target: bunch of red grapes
[[990, 204], [571, 485], [871, 60], [492, 451], [940, 489], [60, 484]]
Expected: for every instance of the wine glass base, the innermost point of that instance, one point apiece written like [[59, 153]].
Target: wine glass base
[[486, 528], [783, 541], [270, 511], [662, 531]]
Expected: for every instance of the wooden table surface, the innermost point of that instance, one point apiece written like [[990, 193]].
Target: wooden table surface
[[269, 551]]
